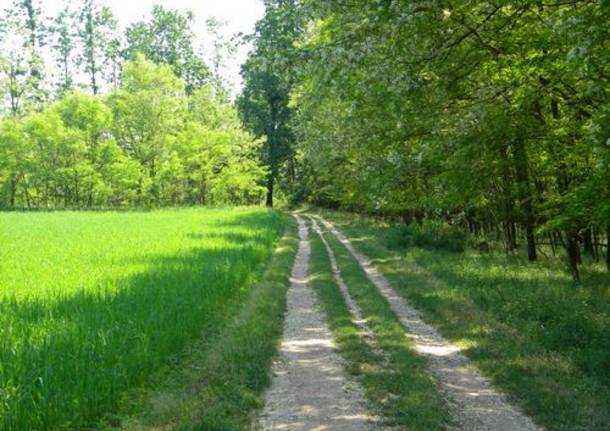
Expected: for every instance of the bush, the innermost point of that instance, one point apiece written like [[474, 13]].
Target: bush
[[400, 236], [431, 234]]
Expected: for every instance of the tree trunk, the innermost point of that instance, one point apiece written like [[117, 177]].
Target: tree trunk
[[552, 242], [573, 254], [27, 197], [563, 182], [509, 235], [13, 192], [525, 196], [269, 200], [513, 235], [507, 201], [608, 247], [587, 236], [595, 234]]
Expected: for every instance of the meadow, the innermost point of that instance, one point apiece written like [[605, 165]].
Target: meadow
[[91, 303]]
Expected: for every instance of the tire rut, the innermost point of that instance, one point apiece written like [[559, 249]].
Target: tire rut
[[309, 390]]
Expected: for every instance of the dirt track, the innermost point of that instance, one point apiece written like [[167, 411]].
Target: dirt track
[[475, 404], [309, 389]]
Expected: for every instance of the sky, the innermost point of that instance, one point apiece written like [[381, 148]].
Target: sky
[[240, 15]]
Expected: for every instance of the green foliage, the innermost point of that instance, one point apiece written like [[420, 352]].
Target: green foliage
[[159, 130], [93, 303], [430, 234], [145, 144], [495, 110], [97, 33], [22, 65], [168, 39], [268, 80]]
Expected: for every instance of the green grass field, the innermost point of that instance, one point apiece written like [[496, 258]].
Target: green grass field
[[94, 302]]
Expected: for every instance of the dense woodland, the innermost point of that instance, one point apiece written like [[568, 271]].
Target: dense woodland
[[488, 116], [123, 118]]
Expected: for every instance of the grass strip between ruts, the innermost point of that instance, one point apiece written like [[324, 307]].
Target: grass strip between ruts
[[400, 392]]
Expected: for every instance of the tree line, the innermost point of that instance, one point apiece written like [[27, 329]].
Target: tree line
[[133, 118], [489, 115]]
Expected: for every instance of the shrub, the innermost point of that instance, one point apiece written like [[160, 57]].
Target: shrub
[[399, 237], [431, 234]]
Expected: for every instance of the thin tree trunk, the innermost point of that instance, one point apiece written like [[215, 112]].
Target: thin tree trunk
[[552, 242], [595, 233], [27, 197], [512, 235], [588, 242], [13, 192], [269, 200], [573, 254], [525, 196], [608, 247], [563, 181]]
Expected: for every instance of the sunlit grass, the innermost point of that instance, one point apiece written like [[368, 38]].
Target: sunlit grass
[[91, 303]]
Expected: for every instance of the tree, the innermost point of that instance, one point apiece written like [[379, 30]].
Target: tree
[[22, 63], [91, 121], [96, 33], [168, 39], [222, 159], [13, 160], [268, 81], [148, 109], [28, 13], [221, 48], [63, 45], [146, 143], [479, 113]]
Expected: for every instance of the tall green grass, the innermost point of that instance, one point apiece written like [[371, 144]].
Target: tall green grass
[[91, 303], [218, 382]]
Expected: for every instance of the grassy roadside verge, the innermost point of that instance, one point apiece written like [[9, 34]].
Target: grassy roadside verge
[[400, 391], [543, 341], [218, 383]]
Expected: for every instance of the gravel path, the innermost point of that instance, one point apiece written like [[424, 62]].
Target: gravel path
[[475, 404], [309, 389], [365, 331]]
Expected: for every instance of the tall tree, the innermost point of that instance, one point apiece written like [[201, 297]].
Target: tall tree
[[63, 29], [148, 110], [96, 31], [220, 48], [486, 111], [30, 14], [268, 80], [168, 38], [22, 63]]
